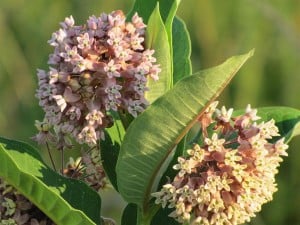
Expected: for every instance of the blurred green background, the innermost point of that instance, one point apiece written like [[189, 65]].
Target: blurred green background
[[218, 30]]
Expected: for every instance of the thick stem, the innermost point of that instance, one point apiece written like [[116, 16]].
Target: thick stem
[[145, 218], [144, 221]]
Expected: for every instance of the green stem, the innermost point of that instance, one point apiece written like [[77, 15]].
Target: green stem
[[144, 221], [145, 218]]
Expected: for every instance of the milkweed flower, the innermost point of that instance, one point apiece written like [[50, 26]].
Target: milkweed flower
[[225, 179], [87, 168], [16, 209], [95, 68]]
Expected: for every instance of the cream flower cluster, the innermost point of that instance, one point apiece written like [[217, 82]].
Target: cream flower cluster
[[96, 68], [15, 209], [225, 179]]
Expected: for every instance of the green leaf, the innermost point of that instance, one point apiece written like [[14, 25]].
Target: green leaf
[[156, 38], [168, 10], [129, 216], [65, 201], [181, 51], [287, 120], [151, 137], [110, 148]]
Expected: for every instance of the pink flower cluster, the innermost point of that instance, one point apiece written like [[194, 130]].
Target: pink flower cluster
[[87, 168], [97, 67], [225, 179]]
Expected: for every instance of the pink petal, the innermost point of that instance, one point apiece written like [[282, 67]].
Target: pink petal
[[69, 96]]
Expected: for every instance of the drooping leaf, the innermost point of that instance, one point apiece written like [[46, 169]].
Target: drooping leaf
[[181, 51], [65, 201], [129, 216], [110, 148], [153, 135], [287, 120], [157, 39]]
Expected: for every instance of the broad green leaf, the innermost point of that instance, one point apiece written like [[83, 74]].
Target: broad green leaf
[[287, 120], [65, 201], [129, 216], [110, 148], [181, 51], [156, 38], [153, 135]]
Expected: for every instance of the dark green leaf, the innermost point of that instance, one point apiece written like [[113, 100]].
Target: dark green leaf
[[129, 216], [109, 156], [287, 120], [181, 51], [110, 148], [162, 218], [65, 201], [151, 137]]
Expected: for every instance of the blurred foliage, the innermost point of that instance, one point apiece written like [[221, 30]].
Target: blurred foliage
[[218, 30]]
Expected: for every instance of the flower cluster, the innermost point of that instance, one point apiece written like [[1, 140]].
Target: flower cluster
[[15, 209], [225, 179], [95, 68]]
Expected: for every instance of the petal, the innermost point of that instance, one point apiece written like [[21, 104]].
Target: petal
[[69, 96]]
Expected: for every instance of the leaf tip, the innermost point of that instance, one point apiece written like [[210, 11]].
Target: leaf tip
[[251, 52]]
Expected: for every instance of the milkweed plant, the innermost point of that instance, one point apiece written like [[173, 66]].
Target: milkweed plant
[[120, 90]]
